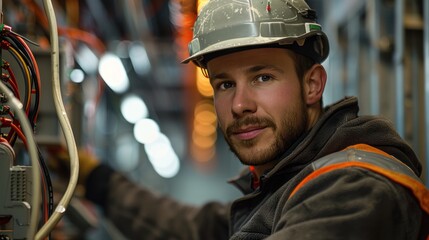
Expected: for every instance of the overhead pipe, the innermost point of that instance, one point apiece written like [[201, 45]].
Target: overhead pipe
[[375, 7], [426, 77], [399, 65]]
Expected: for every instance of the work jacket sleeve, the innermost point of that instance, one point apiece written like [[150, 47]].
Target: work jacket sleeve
[[140, 213], [349, 204]]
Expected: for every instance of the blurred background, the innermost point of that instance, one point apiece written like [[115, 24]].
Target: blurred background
[[123, 84]]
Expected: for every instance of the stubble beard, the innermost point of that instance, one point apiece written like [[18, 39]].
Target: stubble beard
[[290, 129]]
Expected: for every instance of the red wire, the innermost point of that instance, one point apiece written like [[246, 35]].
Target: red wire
[[76, 34], [6, 122], [12, 79], [14, 86], [20, 134]]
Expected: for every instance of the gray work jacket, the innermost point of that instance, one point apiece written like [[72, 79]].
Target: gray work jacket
[[349, 203]]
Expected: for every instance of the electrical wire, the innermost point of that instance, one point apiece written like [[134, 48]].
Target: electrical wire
[[16, 45], [6, 122], [18, 42], [21, 62], [23, 66], [65, 125], [18, 48], [20, 134], [49, 198], [11, 80], [73, 33], [16, 105], [27, 75]]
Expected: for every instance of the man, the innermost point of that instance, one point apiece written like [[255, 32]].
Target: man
[[263, 59]]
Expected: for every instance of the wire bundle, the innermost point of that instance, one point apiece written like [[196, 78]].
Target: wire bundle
[[17, 47], [29, 95]]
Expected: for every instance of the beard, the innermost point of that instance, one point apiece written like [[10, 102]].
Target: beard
[[250, 152]]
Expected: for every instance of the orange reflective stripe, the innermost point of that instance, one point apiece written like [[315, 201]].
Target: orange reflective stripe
[[419, 190], [416, 187], [368, 148]]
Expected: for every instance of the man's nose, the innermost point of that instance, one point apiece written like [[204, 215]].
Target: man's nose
[[243, 102]]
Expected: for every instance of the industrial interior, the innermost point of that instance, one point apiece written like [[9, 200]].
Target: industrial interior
[[122, 84]]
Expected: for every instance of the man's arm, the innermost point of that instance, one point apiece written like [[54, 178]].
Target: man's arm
[[143, 214]]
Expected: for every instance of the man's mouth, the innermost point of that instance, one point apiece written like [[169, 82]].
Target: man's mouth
[[248, 133]]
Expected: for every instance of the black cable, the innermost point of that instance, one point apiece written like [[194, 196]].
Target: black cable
[[48, 181]]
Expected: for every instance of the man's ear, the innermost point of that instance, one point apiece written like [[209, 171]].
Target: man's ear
[[314, 84]]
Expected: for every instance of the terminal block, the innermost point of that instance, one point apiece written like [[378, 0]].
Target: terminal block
[[15, 195]]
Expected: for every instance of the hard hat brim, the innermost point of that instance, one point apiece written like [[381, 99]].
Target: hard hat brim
[[257, 42]]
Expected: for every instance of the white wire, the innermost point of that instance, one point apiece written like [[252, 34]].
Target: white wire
[[65, 126], [16, 105]]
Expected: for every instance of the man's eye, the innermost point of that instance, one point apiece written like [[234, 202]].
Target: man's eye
[[225, 85], [263, 78]]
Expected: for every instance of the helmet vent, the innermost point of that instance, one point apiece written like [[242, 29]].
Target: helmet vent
[[268, 6]]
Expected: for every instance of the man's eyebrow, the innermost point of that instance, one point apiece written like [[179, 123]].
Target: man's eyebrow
[[253, 69], [258, 68], [217, 76]]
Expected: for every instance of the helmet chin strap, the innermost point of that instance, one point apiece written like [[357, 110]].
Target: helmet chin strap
[[300, 42]]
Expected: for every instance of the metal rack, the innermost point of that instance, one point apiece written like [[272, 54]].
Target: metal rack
[[380, 53]]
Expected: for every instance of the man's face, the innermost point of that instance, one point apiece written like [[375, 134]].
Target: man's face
[[259, 103]]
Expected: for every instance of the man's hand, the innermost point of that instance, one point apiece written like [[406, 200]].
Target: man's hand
[[59, 161], [87, 163]]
